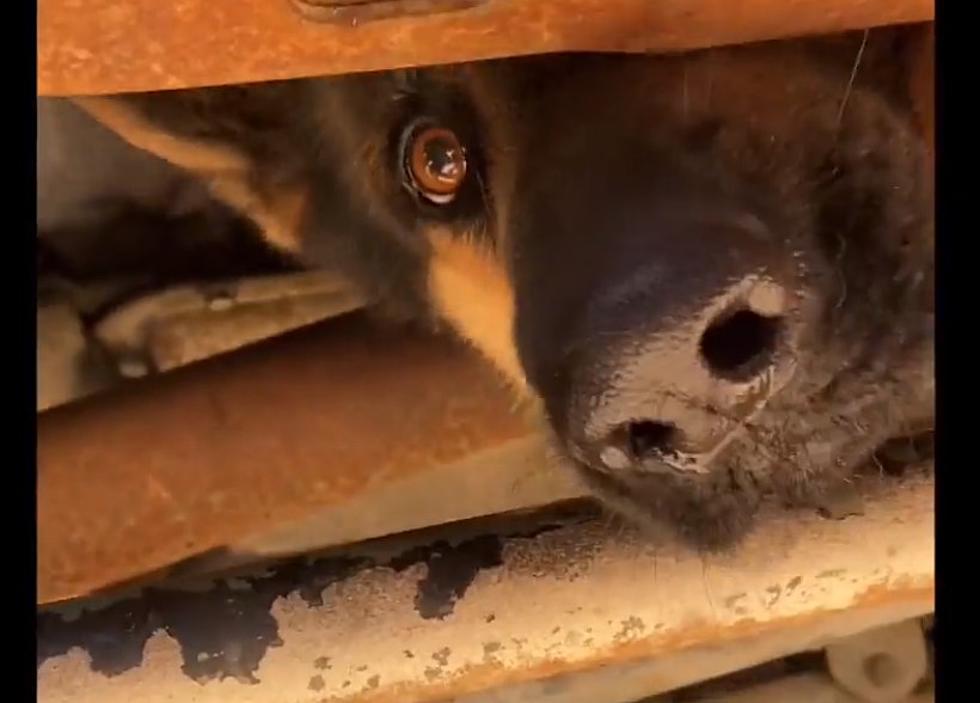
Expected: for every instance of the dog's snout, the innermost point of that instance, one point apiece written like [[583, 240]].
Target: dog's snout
[[675, 350], [672, 397], [671, 317]]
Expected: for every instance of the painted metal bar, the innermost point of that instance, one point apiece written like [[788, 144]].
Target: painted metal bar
[[576, 613]]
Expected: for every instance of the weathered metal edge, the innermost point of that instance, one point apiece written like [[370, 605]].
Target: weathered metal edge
[[108, 46], [473, 619]]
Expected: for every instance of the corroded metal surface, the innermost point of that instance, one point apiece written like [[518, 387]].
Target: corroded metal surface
[[240, 445], [104, 46], [576, 613]]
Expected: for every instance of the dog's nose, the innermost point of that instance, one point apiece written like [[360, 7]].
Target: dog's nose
[[660, 305], [670, 395], [675, 350]]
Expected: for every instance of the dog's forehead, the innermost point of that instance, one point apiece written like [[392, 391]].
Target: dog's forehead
[[756, 80], [767, 82]]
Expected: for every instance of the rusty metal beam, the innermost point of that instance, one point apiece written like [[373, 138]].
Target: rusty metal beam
[[106, 46], [577, 614], [339, 422]]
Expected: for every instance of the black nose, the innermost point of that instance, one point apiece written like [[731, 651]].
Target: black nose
[[666, 398], [682, 337], [659, 302]]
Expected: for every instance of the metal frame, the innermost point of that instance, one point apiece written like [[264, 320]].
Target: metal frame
[[101, 46], [576, 612]]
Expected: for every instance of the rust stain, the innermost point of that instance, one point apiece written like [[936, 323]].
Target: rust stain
[[732, 601], [835, 573], [632, 627], [107, 46], [774, 594]]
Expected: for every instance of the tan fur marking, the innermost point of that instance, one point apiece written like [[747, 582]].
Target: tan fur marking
[[470, 289], [192, 155], [278, 215], [226, 170]]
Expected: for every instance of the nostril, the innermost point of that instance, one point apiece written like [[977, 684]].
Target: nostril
[[633, 443], [648, 438], [648, 446], [738, 346]]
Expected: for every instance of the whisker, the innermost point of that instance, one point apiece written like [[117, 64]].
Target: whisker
[[684, 96], [853, 77]]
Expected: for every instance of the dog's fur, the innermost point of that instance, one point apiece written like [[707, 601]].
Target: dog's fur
[[830, 155]]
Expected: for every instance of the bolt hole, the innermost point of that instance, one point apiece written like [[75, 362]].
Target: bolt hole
[[882, 669]]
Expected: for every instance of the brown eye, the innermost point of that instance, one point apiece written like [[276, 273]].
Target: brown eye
[[435, 163]]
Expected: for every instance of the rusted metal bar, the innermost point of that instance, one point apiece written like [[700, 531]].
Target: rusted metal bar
[[577, 614], [106, 46], [368, 431]]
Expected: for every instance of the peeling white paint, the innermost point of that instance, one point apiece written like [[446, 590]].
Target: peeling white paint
[[581, 599]]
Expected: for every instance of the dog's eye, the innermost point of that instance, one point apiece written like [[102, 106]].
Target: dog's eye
[[435, 163]]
